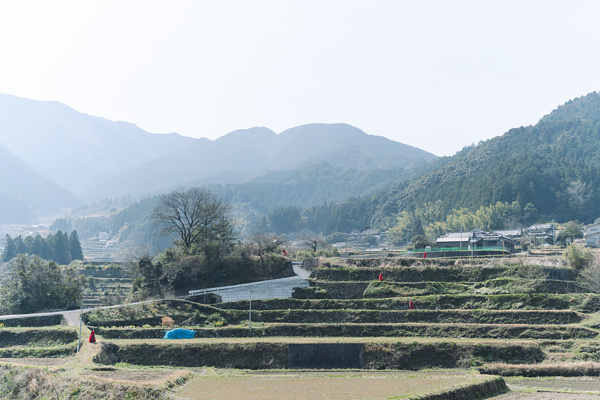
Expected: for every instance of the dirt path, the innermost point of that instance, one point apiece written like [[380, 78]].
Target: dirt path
[[552, 388], [545, 396]]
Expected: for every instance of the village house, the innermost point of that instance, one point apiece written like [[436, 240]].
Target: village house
[[542, 233], [591, 234], [515, 234], [475, 239]]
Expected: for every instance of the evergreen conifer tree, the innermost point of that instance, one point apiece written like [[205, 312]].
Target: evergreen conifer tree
[[75, 247]]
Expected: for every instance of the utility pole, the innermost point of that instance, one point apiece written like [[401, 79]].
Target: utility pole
[[346, 245], [365, 248], [461, 230], [250, 308], [80, 323], [250, 316], [365, 244]]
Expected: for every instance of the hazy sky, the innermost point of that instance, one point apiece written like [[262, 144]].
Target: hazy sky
[[438, 75]]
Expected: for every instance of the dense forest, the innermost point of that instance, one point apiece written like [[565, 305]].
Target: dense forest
[[551, 170], [554, 165]]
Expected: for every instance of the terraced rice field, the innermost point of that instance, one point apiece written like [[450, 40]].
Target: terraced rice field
[[323, 385], [537, 313], [508, 317]]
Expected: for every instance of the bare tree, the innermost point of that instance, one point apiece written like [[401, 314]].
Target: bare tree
[[264, 243], [195, 215], [313, 241]]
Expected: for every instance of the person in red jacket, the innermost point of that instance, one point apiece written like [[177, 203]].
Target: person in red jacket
[[380, 277], [411, 305], [92, 337]]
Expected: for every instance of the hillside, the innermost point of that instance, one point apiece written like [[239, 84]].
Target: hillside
[[554, 165], [75, 149], [245, 154], [25, 194], [308, 186], [95, 158]]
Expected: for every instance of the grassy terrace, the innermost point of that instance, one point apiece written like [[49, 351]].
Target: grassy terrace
[[494, 316], [519, 302]]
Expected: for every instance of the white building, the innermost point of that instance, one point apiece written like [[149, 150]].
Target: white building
[[592, 234]]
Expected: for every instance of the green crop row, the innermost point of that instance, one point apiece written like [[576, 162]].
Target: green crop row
[[439, 273], [40, 337], [270, 355], [587, 303], [377, 289], [534, 317], [491, 331], [38, 352]]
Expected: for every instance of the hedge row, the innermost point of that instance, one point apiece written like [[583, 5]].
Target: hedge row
[[492, 386], [490, 331], [151, 313], [418, 355], [565, 369], [534, 317], [269, 355], [434, 272], [37, 337], [587, 303], [341, 290], [38, 352], [190, 354], [44, 320], [385, 289], [152, 321]]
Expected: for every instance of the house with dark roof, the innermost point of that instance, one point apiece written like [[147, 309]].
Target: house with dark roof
[[542, 233], [475, 239], [515, 234]]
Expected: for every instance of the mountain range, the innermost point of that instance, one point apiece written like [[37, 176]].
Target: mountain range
[[54, 157]]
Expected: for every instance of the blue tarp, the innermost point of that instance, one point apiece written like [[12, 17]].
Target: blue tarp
[[179, 333]]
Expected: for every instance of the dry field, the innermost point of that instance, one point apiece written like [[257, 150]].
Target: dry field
[[332, 385]]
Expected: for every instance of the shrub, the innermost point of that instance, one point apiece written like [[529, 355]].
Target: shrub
[[589, 276], [216, 320], [577, 257], [167, 322]]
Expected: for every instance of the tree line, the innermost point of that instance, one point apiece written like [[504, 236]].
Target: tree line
[[431, 220], [59, 247], [36, 285]]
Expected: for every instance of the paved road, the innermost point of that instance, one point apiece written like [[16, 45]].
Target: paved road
[[302, 273], [545, 396]]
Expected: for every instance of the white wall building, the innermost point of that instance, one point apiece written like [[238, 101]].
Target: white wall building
[[592, 234]]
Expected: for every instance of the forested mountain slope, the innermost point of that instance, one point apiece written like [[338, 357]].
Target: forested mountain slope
[[309, 186], [554, 165]]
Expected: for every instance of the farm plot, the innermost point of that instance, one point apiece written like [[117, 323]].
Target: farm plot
[[287, 385]]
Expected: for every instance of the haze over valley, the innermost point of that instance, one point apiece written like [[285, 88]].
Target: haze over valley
[[100, 175]]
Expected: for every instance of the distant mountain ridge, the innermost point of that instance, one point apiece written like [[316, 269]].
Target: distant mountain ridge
[[252, 152], [94, 158], [25, 194], [74, 149]]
